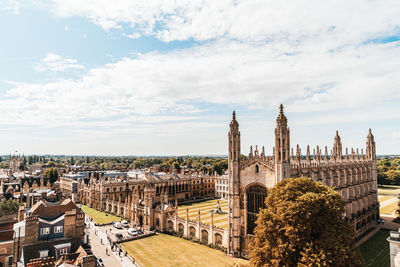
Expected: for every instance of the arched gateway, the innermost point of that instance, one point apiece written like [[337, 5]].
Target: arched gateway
[[256, 195]]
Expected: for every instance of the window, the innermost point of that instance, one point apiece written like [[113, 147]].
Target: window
[[63, 251], [257, 169], [9, 261], [45, 230], [58, 229], [44, 253]]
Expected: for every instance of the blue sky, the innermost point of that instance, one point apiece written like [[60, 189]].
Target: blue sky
[[162, 77]]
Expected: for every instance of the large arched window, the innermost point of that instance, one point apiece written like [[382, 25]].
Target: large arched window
[[255, 201]]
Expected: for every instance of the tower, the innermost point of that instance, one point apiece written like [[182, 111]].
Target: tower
[[370, 149], [282, 147], [337, 147], [234, 247]]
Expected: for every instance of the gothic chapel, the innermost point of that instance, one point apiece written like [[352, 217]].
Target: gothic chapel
[[353, 175]]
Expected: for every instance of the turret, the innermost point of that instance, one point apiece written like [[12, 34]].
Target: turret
[[371, 149], [337, 147], [234, 246], [282, 146], [234, 140], [298, 153], [308, 154]]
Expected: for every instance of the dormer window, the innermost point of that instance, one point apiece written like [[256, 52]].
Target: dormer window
[[45, 230]]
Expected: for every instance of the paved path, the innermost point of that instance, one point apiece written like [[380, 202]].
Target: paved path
[[99, 249]]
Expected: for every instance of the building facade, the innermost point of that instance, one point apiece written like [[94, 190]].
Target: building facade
[[221, 187], [17, 163], [48, 231], [147, 199], [353, 175]]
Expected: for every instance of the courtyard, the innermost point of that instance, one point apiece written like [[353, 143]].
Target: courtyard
[[220, 220], [100, 217], [166, 250], [387, 196]]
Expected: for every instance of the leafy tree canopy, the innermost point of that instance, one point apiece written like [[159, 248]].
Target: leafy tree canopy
[[388, 171], [51, 174], [9, 206], [302, 225]]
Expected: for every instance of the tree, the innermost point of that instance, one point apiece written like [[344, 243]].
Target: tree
[[175, 166], [9, 206], [393, 176], [302, 225], [51, 174]]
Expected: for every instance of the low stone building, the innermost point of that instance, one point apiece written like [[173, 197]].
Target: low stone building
[[142, 198]]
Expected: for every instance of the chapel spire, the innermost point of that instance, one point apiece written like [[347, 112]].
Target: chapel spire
[[282, 146], [234, 139]]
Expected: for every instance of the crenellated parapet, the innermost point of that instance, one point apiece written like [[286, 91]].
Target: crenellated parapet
[[255, 157]]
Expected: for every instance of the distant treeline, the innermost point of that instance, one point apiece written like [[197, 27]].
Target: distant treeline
[[202, 164], [389, 171]]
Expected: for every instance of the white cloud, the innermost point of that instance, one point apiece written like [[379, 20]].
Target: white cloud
[[335, 22], [13, 5], [320, 58], [135, 35], [222, 73], [56, 63]]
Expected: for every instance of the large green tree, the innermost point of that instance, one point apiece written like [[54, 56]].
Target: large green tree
[[302, 225]]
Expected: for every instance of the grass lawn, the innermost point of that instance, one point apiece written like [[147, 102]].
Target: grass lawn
[[375, 250], [100, 217], [165, 250], [220, 220], [388, 190], [383, 198], [389, 209]]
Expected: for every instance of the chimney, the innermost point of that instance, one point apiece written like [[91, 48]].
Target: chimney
[[21, 213]]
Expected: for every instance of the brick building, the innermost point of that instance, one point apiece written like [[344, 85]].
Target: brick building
[[48, 231]]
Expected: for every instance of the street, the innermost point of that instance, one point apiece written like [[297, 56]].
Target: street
[[99, 249]]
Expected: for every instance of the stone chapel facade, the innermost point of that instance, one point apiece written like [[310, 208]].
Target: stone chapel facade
[[353, 175]]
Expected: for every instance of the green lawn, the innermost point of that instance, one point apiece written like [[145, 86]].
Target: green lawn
[[100, 217], [382, 198], [220, 220], [375, 250], [165, 250], [388, 190], [389, 209]]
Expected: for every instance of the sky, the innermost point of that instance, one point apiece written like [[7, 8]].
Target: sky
[[162, 77]]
